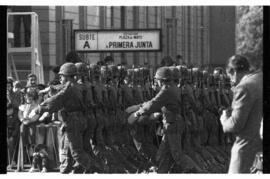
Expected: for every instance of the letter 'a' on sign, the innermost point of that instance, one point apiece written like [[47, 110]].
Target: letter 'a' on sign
[[117, 40], [86, 45]]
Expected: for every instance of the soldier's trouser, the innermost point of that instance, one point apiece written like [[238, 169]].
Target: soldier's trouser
[[110, 122], [170, 149], [100, 119], [71, 146], [145, 139], [89, 133]]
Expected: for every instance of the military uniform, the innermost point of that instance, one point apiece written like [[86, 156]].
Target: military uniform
[[86, 88], [69, 104], [98, 94], [91, 120], [168, 101]]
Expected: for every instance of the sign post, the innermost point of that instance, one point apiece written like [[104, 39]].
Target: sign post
[[141, 40]]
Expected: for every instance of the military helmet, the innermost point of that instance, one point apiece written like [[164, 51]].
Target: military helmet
[[122, 70], [103, 70], [68, 69], [175, 72], [95, 70], [218, 72], [163, 73], [113, 70], [130, 74], [145, 71], [136, 74], [81, 68], [195, 72], [183, 71]]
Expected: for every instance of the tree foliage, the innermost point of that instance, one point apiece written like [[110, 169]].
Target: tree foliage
[[249, 34]]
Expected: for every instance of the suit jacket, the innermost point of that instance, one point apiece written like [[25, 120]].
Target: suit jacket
[[245, 121]]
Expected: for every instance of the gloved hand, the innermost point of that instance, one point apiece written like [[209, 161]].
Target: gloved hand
[[46, 90], [132, 108], [155, 116], [44, 115], [132, 118]]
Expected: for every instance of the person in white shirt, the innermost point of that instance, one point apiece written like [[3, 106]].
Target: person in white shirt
[[27, 128]]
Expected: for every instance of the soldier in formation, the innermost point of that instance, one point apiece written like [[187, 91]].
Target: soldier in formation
[[119, 120]]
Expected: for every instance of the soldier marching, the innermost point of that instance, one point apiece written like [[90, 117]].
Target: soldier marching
[[119, 120]]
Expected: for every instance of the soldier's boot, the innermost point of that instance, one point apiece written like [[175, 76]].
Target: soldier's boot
[[86, 141], [77, 168], [189, 165], [165, 165], [99, 132], [66, 166], [108, 135], [176, 168], [66, 160]]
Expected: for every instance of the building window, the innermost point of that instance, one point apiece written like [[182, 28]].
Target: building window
[[67, 35]]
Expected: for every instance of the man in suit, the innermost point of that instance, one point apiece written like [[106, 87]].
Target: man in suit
[[245, 115]]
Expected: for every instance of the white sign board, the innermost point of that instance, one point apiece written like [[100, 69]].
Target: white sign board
[[117, 40]]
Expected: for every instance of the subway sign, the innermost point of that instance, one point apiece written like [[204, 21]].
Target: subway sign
[[117, 40]]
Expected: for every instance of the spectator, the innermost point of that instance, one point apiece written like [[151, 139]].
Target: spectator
[[11, 96], [9, 90], [27, 128], [17, 86], [109, 60], [18, 94], [31, 81], [32, 85], [245, 117], [179, 60], [101, 63], [13, 126], [73, 57], [167, 61]]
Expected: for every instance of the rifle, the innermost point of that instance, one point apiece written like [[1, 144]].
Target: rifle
[[95, 100]]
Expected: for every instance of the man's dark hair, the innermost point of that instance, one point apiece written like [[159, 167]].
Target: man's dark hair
[[73, 57], [238, 63], [41, 86], [108, 59], [179, 57], [166, 61], [56, 69], [101, 63]]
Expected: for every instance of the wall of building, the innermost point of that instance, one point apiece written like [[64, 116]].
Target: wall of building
[[195, 32], [222, 34]]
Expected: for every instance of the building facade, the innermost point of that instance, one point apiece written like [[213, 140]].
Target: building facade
[[202, 35]]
